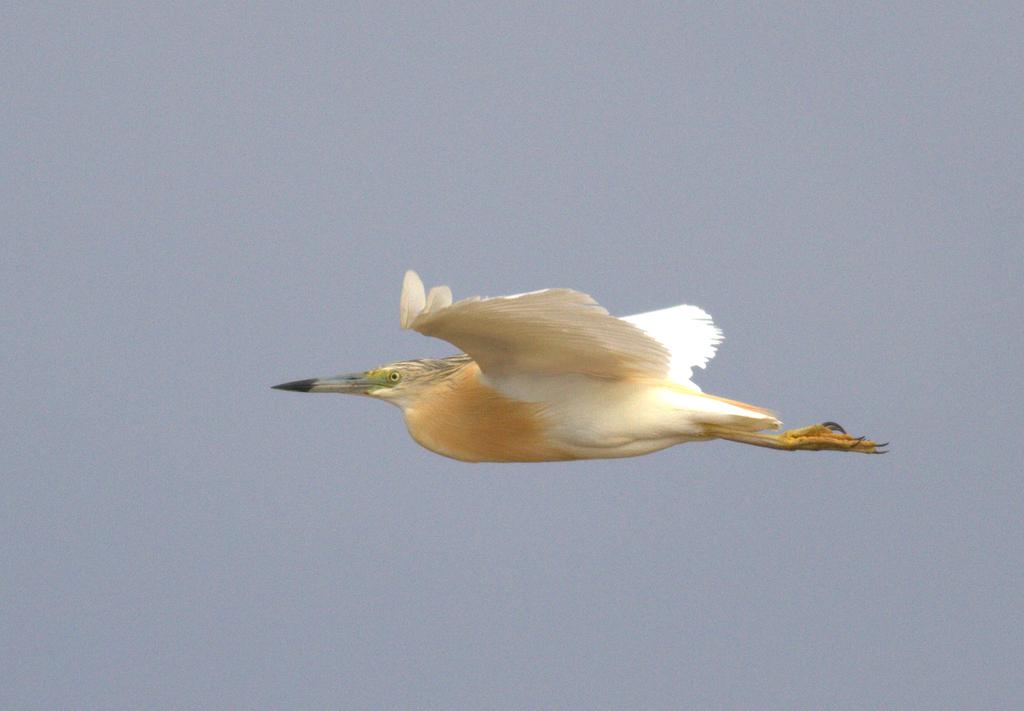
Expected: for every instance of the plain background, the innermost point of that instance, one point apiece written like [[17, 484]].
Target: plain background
[[202, 201]]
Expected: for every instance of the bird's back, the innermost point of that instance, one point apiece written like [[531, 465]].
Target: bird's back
[[561, 417]]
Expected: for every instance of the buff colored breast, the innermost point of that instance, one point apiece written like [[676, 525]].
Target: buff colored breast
[[463, 418]]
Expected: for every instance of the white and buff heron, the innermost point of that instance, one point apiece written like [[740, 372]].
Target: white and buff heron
[[551, 375]]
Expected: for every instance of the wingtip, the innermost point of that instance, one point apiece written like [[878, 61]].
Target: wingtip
[[439, 297], [413, 300]]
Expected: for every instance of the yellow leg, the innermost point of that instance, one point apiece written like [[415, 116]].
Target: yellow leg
[[826, 436]]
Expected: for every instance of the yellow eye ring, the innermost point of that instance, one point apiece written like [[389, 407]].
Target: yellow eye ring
[[394, 376]]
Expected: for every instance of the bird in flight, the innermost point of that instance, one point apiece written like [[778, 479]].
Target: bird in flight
[[551, 375]]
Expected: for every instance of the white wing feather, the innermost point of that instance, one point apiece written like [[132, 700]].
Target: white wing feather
[[549, 332], [413, 301], [688, 334]]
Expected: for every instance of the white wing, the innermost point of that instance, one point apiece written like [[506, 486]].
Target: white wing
[[688, 334], [554, 331]]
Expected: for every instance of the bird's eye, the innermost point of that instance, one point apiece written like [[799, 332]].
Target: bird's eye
[[394, 376]]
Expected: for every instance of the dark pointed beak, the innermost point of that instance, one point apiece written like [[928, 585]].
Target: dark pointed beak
[[353, 384], [299, 386]]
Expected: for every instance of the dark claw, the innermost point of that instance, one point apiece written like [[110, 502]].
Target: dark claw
[[881, 444], [834, 426], [857, 441]]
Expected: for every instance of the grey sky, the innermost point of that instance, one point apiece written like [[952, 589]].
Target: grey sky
[[201, 202]]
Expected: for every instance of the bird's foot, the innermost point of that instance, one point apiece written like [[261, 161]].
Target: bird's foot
[[831, 436]]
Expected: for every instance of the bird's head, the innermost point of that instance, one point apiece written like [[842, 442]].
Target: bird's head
[[399, 383]]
